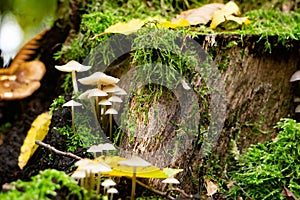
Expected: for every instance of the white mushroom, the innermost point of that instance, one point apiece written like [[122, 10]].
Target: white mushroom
[[72, 104], [73, 66], [112, 191], [134, 162], [171, 180], [98, 78], [295, 76], [110, 112], [105, 102], [115, 99]]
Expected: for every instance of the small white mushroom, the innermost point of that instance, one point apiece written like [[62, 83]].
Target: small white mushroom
[[297, 110], [111, 111], [171, 180], [72, 104], [105, 102], [98, 78], [112, 191], [115, 99], [295, 76], [134, 162], [96, 93], [73, 66]]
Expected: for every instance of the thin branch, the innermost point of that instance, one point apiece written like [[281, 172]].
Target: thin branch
[[182, 192], [165, 193], [48, 146]]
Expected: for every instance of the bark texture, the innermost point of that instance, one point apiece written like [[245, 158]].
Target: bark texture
[[258, 94]]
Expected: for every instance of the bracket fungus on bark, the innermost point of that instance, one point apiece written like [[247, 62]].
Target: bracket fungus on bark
[[22, 81]]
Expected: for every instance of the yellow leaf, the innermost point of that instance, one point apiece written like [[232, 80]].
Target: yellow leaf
[[126, 27], [201, 15], [178, 23], [172, 172], [38, 131], [131, 26], [227, 14], [141, 172]]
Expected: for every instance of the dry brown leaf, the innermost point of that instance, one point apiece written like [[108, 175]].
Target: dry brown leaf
[[201, 15], [211, 187]]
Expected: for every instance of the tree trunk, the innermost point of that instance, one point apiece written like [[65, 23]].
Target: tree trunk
[[257, 91]]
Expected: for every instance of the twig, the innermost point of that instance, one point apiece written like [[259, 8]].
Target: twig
[[182, 192], [48, 146], [165, 193]]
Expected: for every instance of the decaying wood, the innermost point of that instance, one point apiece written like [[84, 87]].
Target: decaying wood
[[258, 94]]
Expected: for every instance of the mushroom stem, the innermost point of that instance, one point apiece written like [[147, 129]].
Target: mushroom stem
[[111, 197], [98, 184], [133, 183], [92, 101], [110, 127], [75, 86], [73, 118]]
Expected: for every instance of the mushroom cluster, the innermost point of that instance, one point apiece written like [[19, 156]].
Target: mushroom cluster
[[21, 81], [103, 96], [86, 173]]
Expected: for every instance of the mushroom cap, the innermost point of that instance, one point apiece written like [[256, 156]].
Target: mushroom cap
[[71, 103], [93, 166], [72, 66], [105, 102], [112, 190], [84, 95], [297, 110], [96, 93], [94, 148], [108, 182], [295, 76], [171, 180], [24, 82], [112, 88], [121, 92], [111, 111], [115, 99], [98, 77], [79, 173], [107, 146], [135, 162]]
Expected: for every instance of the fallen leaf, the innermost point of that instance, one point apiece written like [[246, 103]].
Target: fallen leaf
[[176, 24], [201, 15], [131, 26], [227, 14], [38, 131], [118, 170], [125, 27], [287, 193], [171, 172], [211, 187]]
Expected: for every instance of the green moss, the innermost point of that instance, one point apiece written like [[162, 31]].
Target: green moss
[[45, 186], [265, 169]]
